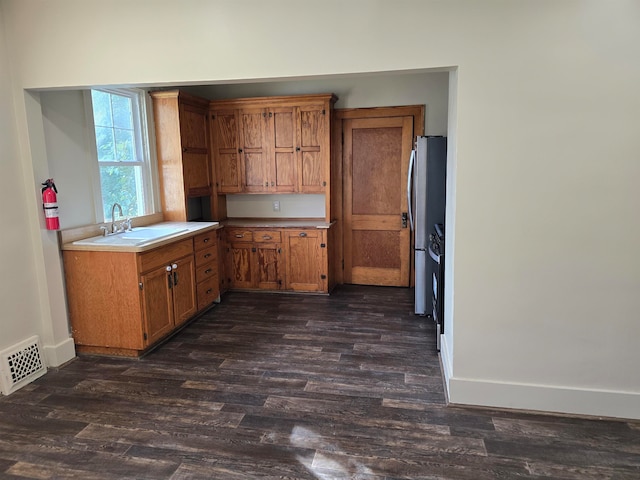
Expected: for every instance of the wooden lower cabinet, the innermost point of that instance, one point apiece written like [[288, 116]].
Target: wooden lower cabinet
[[277, 259], [122, 303], [306, 260]]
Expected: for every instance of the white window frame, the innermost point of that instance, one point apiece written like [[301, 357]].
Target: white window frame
[[145, 151]]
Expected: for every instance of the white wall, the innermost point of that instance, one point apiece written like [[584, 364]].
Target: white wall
[[544, 252], [19, 312], [70, 161]]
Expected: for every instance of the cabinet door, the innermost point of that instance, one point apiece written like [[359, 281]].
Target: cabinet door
[[282, 171], [193, 126], [157, 304], [267, 266], [305, 261], [240, 265], [224, 133], [184, 289], [197, 175], [253, 149], [313, 148]]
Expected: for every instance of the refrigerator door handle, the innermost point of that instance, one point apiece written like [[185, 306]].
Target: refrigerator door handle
[[412, 160]]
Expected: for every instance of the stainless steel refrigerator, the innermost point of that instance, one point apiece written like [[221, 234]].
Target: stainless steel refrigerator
[[426, 198]]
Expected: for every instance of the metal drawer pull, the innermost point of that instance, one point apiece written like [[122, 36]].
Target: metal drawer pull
[[208, 270], [209, 291], [303, 234], [239, 235], [267, 237], [207, 255], [205, 240]]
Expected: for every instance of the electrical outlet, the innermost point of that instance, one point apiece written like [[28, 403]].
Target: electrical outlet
[[276, 206]]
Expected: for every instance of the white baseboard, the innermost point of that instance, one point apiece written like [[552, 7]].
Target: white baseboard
[[446, 358], [56, 355], [600, 403]]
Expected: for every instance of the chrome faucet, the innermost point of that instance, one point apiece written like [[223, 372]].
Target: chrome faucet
[[113, 217]]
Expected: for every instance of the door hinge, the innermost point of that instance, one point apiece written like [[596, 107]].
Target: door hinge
[[323, 245], [213, 117], [279, 282], [140, 285], [144, 335], [324, 112]]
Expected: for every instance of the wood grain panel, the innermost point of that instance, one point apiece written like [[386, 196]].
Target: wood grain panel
[[377, 182], [207, 292], [306, 260], [164, 255], [254, 172], [268, 266], [95, 319], [206, 255], [224, 134], [205, 271], [197, 174], [267, 236], [205, 240], [240, 271], [157, 300], [193, 126], [184, 289], [376, 249], [312, 172]]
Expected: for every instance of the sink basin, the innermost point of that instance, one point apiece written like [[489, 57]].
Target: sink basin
[[137, 236]]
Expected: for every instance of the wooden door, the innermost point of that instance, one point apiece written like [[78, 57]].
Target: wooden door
[[313, 146], [240, 257], [305, 260], [157, 303], [282, 162], [254, 149], [375, 162], [184, 289], [224, 133], [267, 264], [193, 126]]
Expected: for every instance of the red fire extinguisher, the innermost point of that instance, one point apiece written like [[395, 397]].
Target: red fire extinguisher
[[50, 205]]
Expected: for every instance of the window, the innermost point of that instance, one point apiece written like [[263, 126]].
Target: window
[[122, 150]]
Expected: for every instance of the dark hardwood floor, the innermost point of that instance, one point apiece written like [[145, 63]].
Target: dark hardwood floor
[[286, 386]]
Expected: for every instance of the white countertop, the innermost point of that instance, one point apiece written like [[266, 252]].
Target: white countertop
[[185, 230]]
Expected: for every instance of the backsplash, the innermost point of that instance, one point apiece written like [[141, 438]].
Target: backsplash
[[261, 206]]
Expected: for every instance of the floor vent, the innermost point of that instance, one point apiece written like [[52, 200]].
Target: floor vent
[[20, 365]]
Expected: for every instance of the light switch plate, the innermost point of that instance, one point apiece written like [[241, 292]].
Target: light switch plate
[[276, 206]]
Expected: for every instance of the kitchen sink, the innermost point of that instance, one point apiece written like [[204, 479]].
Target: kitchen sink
[[137, 236]]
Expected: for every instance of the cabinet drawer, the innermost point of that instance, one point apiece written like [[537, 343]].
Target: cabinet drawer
[[208, 291], [205, 240], [239, 235], [206, 271], [209, 254], [165, 255], [267, 236]]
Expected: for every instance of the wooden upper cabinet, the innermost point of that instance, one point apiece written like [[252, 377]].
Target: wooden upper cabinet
[[182, 141], [226, 154], [283, 144], [282, 149], [313, 148], [254, 153]]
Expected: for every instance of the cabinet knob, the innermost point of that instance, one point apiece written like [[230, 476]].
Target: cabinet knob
[[208, 270], [207, 255], [297, 149], [168, 268], [266, 184], [174, 266], [239, 150], [209, 291], [206, 240]]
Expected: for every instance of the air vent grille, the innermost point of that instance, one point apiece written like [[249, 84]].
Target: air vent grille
[[20, 365]]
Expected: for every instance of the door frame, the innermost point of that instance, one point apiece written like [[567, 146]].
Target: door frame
[[337, 162]]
